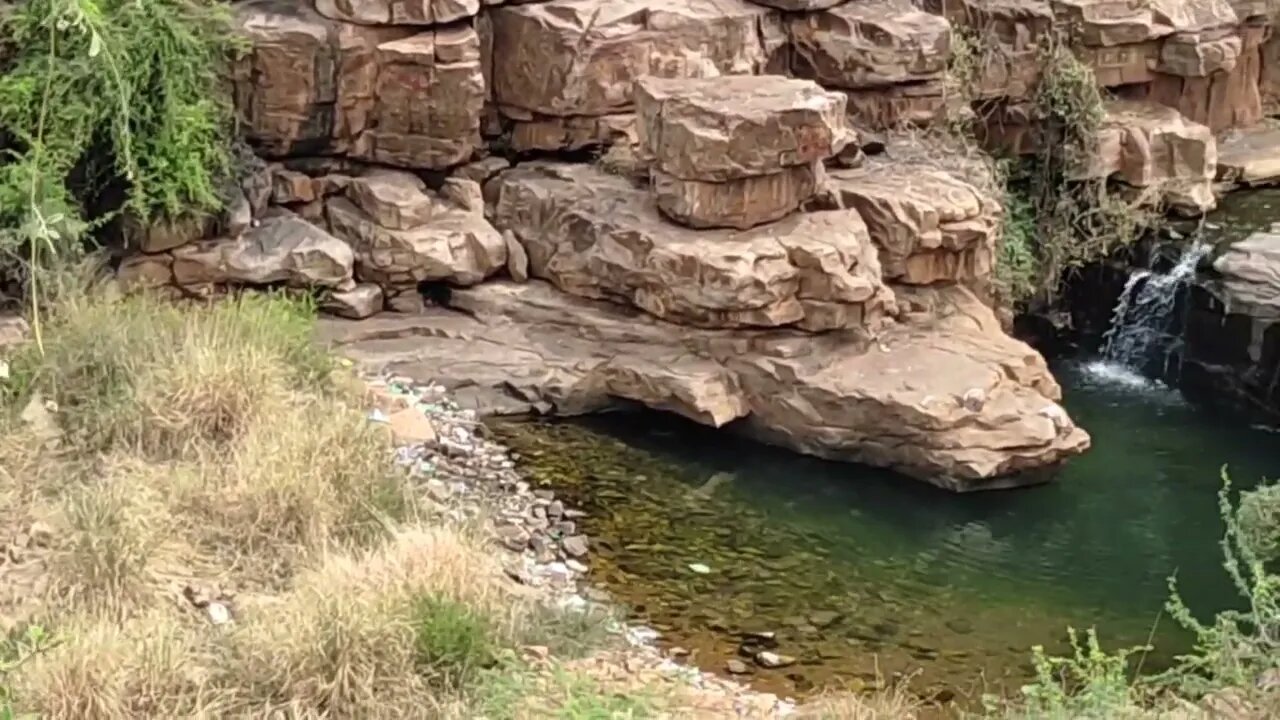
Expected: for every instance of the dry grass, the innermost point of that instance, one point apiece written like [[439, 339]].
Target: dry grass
[[895, 703], [214, 446]]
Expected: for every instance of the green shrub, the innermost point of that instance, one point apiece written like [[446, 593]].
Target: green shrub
[[1090, 684], [1259, 519], [1238, 646], [453, 642]]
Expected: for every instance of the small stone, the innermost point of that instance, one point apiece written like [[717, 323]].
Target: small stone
[[565, 528], [575, 545], [678, 652], [768, 659], [699, 568], [960, 625], [41, 533], [572, 514], [544, 494], [411, 427], [824, 618], [576, 566], [737, 667], [219, 614], [555, 510]]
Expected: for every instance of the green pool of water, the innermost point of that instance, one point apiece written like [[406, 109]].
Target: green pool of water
[[862, 573]]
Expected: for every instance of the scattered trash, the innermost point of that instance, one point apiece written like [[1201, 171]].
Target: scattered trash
[[699, 568], [376, 415], [4, 369]]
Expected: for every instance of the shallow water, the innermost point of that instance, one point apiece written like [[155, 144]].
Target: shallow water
[[863, 573]]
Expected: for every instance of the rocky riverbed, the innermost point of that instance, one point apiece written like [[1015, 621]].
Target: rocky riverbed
[[473, 478]]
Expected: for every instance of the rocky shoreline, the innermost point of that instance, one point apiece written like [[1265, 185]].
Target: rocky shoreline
[[473, 478]]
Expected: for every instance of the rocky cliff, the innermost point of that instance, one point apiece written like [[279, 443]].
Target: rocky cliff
[[759, 243]]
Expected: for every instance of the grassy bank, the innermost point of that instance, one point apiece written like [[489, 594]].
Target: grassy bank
[[200, 522]]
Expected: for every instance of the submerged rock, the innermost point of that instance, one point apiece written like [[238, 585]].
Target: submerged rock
[[896, 401]]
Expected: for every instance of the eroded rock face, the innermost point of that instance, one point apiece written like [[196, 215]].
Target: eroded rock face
[[581, 57], [1154, 147], [945, 397], [283, 248], [398, 94], [598, 236]]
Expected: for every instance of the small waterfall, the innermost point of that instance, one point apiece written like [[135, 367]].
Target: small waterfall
[[1143, 316]]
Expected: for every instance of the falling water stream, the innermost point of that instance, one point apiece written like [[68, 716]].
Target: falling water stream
[[1143, 321]]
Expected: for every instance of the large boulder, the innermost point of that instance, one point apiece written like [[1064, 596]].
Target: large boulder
[[581, 57], [736, 151], [1156, 149], [945, 397], [869, 44], [598, 236], [282, 249], [404, 234], [928, 223]]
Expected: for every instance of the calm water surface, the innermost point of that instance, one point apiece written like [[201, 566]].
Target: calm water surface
[[863, 573]]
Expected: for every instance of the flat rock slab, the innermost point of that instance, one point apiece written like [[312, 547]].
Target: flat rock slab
[[870, 44], [582, 57], [722, 129], [597, 235], [1250, 156], [947, 397]]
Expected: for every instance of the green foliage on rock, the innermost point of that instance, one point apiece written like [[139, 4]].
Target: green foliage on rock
[[109, 94]]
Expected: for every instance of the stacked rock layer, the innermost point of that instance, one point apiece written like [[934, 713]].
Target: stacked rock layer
[[746, 264]]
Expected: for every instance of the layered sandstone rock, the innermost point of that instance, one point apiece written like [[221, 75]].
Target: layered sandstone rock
[[598, 236], [736, 151], [928, 224], [556, 61], [400, 95], [878, 49], [398, 12], [1156, 149], [945, 397], [404, 234]]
